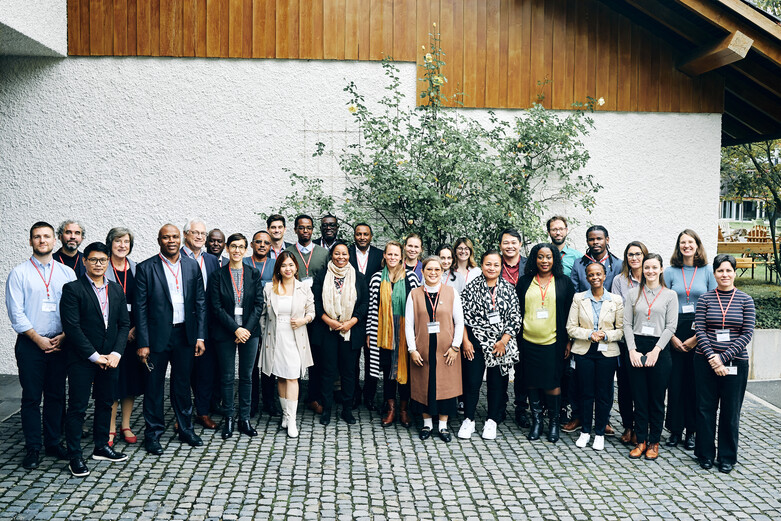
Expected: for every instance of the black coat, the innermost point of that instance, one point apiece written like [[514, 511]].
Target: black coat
[[565, 291], [82, 320], [321, 331], [373, 265], [221, 303]]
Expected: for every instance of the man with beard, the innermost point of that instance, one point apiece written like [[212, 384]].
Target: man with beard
[[71, 234], [329, 229], [215, 244], [32, 298], [275, 224], [557, 230]]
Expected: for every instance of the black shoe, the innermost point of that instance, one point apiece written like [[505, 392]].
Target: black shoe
[[445, 436], [356, 401], [369, 404], [253, 411], [726, 468], [690, 442], [706, 463], [536, 422], [425, 433], [347, 416], [57, 452], [106, 453], [325, 418], [554, 410], [190, 438], [78, 468], [673, 440], [32, 459], [522, 418], [153, 447], [246, 428], [227, 428]]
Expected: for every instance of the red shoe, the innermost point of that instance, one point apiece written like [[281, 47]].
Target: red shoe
[[111, 436], [128, 439]]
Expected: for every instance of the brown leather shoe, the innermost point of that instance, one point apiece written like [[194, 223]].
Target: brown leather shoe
[[634, 438], [390, 413], [638, 451], [572, 426], [652, 452], [609, 430], [404, 417], [315, 407], [207, 422], [626, 438]]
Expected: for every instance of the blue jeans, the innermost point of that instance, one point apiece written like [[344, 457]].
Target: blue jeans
[[226, 355]]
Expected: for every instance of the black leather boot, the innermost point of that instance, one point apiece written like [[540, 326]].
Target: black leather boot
[[245, 427], [535, 405], [227, 428], [325, 418], [554, 410]]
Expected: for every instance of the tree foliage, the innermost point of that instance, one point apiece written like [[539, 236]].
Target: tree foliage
[[771, 6], [435, 171]]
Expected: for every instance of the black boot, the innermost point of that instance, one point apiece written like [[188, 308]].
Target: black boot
[[325, 418], [227, 428], [536, 412], [554, 410], [245, 427]]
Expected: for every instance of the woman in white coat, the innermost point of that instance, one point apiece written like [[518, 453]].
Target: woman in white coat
[[290, 306]]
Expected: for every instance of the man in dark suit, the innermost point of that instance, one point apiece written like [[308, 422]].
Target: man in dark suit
[[205, 371], [170, 327], [71, 234], [329, 229], [366, 259], [96, 324], [215, 244], [275, 225]]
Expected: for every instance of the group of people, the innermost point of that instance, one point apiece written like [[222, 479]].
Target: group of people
[[561, 325]]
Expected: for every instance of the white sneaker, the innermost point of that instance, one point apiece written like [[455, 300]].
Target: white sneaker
[[467, 429], [583, 440], [599, 443], [489, 430]]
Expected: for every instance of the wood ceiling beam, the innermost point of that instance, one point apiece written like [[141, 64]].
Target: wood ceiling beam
[[749, 116], [754, 96], [729, 50], [673, 21], [756, 72], [736, 130], [752, 14]]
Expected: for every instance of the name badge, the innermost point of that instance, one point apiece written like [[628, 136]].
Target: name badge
[[105, 323], [572, 363], [694, 326], [722, 335], [307, 281], [433, 327], [687, 308], [542, 314], [177, 299], [493, 317], [732, 370], [238, 310], [48, 306], [648, 330], [129, 308], [602, 348]]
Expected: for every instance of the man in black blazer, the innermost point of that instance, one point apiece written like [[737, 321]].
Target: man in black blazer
[[205, 374], [96, 324], [170, 327], [329, 230], [367, 260]]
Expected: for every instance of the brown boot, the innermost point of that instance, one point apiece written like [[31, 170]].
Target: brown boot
[[404, 418], [653, 451], [626, 438], [390, 413], [638, 451]]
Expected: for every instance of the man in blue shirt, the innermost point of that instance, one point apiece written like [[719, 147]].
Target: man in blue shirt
[[557, 230], [32, 298]]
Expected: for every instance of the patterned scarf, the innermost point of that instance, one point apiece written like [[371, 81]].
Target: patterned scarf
[[390, 324], [339, 303]]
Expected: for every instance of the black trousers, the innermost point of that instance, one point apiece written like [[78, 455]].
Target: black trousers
[[595, 376], [496, 384], [519, 384], [390, 386], [681, 396], [204, 379], [570, 387], [315, 387], [226, 354], [725, 392], [338, 360], [85, 376], [649, 385], [369, 381], [181, 355], [42, 376], [626, 407]]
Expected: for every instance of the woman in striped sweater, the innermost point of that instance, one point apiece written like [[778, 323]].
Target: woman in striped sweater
[[725, 323]]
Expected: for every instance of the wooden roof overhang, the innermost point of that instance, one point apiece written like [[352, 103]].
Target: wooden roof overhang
[[727, 37]]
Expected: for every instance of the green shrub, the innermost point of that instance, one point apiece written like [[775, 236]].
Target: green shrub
[[767, 300]]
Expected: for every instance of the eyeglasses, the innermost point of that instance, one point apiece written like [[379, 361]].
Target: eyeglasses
[[634, 254], [463, 249], [556, 230], [98, 261], [267, 243], [237, 247], [197, 233]]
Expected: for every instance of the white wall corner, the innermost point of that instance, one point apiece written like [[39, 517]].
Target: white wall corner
[[33, 28]]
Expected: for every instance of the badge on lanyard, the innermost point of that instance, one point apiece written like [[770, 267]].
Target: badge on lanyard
[[238, 311], [177, 298], [722, 335], [687, 308], [542, 314], [602, 348], [433, 327], [493, 317], [129, 308], [105, 322], [648, 330], [307, 281], [732, 370], [48, 306]]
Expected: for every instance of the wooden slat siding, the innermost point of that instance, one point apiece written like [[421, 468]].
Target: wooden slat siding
[[492, 53], [469, 47], [549, 58], [686, 85], [74, 27], [212, 28], [264, 39], [645, 79], [666, 67], [154, 28], [330, 29], [580, 79], [225, 29], [514, 38], [652, 103], [246, 48], [448, 34], [108, 28], [351, 19], [95, 27], [120, 27], [235, 28], [143, 20], [558, 75], [537, 44], [364, 29], [634, 90], [504, 46], [132, 27], [188, 28], [611, 101], [317, 27], [591, 70], [305, 31], [84, 34], [604, 45], [569, 59], [167, 27], [404, 30], [387, 29], [624, 93]]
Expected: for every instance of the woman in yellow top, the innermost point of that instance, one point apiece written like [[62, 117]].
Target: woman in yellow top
[[545, 296]]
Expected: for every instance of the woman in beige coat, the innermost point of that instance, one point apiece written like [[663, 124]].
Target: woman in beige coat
[[595, 321], [290, 306]]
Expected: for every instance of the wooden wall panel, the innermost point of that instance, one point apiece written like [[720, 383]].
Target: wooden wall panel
[[497, 52]]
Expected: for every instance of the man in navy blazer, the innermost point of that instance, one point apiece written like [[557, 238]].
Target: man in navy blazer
[[170, 327], [96, 324], [205, 370]]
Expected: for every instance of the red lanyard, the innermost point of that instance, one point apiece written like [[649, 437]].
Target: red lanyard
[[493, 295], [361, 267], [76, 265], [547, 287], [240, 286], [592, 259], [724, 311], [262, 268], [446, 277], [306, 262], [689, 288], [178, 269], [650, 305], [45, 282], [124, 281], [434, 303], [509, 276], [103, 303]]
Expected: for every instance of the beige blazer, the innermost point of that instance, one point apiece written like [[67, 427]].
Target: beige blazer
[[303, 306], [580, 323]]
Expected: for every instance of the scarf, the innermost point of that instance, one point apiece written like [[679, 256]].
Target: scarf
[[339, 304], [390, 320]]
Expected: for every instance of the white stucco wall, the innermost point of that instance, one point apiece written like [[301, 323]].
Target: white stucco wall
[[143, 141], [34, 27]]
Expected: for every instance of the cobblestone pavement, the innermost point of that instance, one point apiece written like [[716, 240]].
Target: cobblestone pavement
[[368, 472]]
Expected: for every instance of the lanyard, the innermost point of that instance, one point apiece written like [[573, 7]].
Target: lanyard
[[262, 268], [493, 296], [361, 267], [592, 259], [509, 276], [445, 277], [103, 303], [239, 287], [178, 270], [75, 265], [725, 311], [45, 282], [547, 287], [433, 303], [650, 305], [307, 260], [689, 288], [124, 280]]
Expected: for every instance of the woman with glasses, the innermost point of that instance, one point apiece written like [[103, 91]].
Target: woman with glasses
[[235, 299], [449, 275], [465, 264]]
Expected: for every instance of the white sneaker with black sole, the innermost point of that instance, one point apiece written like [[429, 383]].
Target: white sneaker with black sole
[[107, 453], [78, 468]]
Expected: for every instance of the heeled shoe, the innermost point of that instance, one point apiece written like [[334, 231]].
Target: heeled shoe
[[536, 421], [390, 415], [404, 418], [111, 437], [246, 428], [128, 439], [227, 428]]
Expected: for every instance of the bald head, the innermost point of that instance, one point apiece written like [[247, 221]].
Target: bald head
[[170, 241]]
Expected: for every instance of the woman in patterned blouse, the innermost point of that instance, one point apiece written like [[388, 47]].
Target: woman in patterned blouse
[[492, 320]]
